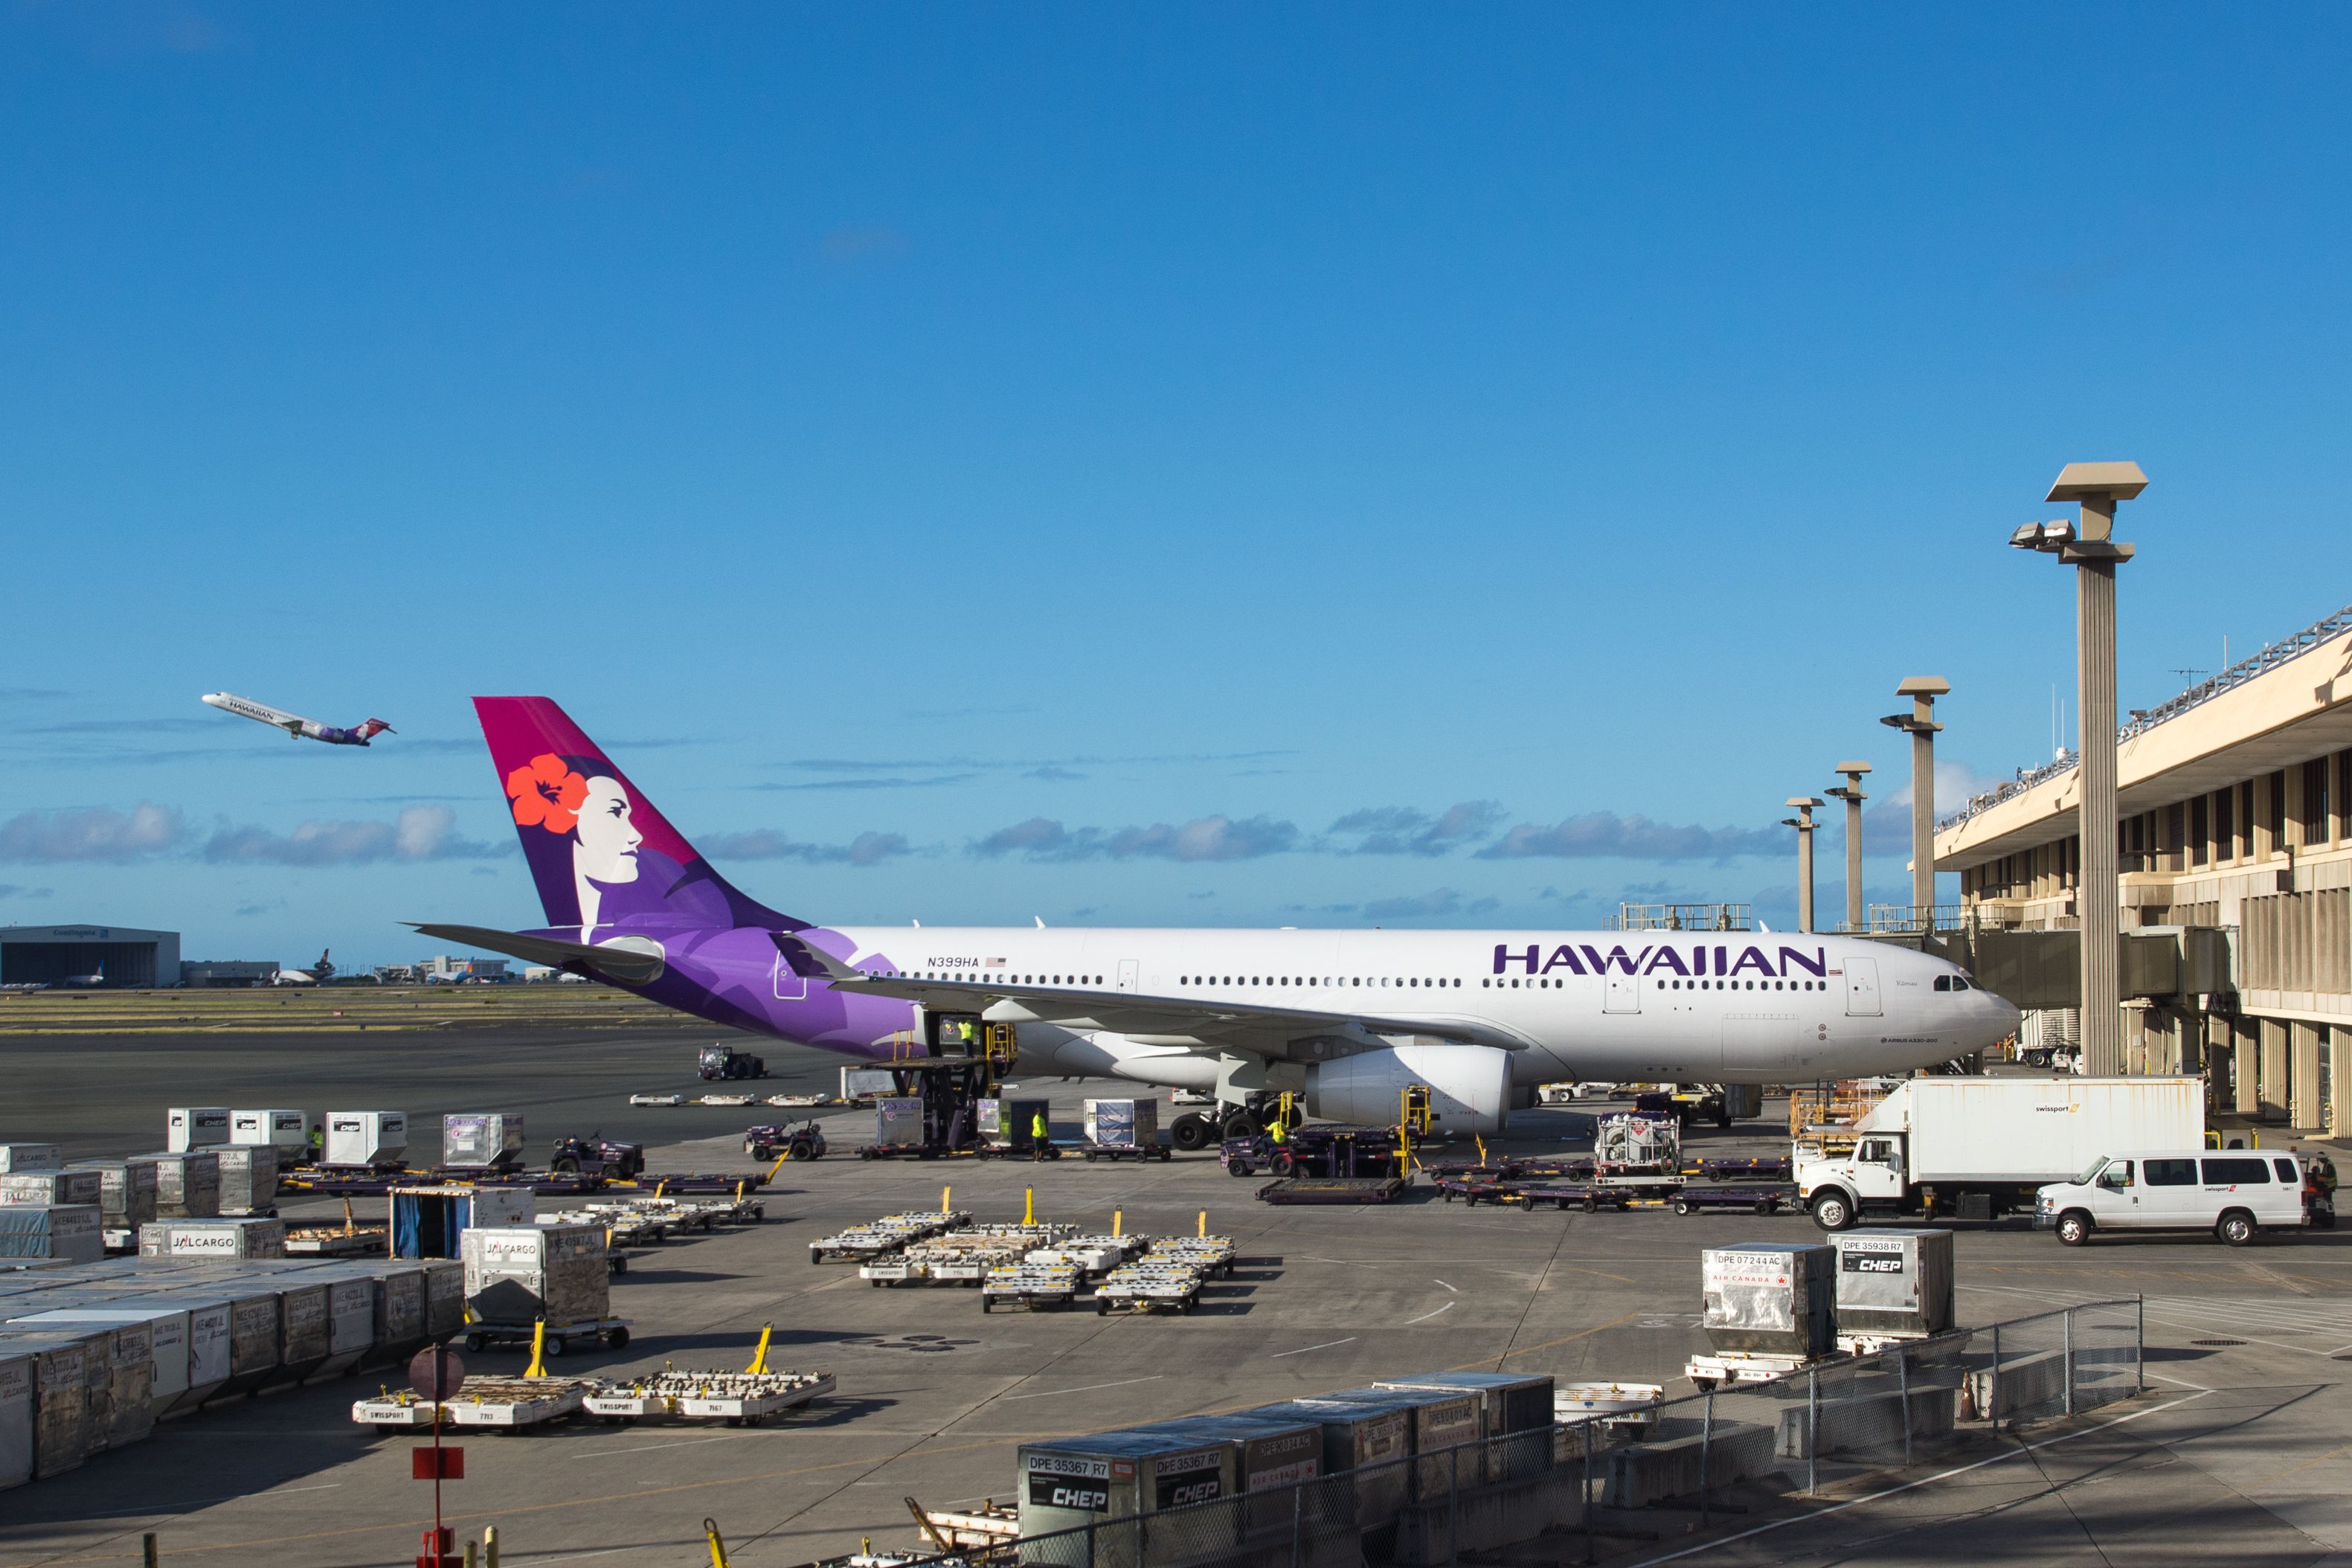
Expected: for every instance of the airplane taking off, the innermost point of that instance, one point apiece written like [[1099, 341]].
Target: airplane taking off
[[294, 725], [1349, 1018]]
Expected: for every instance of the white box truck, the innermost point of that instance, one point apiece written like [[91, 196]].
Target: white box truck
[[1978, 1148]]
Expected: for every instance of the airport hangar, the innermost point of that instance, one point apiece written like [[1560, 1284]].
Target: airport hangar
[[48, 954], [2235, 828]]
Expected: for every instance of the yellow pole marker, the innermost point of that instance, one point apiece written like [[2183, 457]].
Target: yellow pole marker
[[537, 1367], [659, 1185], [1204, 1223], [1118, 1220], [739, 1192], [717, 1547], [1482, 1151], [760, 1357], [471, 1560], [490, 1547], [1028, 1205], [945, 1194]]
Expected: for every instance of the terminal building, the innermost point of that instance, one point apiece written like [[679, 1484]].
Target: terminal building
[[71, 956], [2235, 850]]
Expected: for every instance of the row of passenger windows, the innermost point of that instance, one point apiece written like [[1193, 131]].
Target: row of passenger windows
[[1943, 982]]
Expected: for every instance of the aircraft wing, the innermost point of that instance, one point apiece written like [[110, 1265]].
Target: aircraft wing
[[623, 966], [1279, 1031]]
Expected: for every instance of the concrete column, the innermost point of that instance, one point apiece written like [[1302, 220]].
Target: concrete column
[[1850, 793], [2245, 1070], [1920, 724], [1804, 824], [2095, 900], [2305, 1113], [2271, 1096], [2196, 1029], [2339, 1082]]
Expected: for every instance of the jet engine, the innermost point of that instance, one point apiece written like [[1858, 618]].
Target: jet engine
[[1469, 1086]]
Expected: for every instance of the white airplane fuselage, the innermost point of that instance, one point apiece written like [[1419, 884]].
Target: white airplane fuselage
[[1668, 1006]]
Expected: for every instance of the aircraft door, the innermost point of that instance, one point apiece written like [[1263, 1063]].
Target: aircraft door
[[1862, 988], [790, 986], [1129, 979], [1624, 994]]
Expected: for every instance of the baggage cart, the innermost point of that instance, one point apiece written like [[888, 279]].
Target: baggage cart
[[1135, 1288], [1029, 1285], [1723, 1368], [507, 1404], [736, 1398], [394, 1409]]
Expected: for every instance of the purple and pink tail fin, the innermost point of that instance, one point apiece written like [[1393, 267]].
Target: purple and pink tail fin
[[369, 729], [549, 770]]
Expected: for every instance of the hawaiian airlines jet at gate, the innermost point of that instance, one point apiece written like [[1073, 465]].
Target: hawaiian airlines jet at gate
[[1349, 1016]]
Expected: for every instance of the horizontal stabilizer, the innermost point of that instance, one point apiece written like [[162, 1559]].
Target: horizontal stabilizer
[[811, 962], [622, 965]]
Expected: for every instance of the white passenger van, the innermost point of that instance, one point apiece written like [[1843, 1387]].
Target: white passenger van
[[2236, 1193]]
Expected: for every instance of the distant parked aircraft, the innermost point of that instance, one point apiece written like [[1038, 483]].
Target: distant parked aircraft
[[322, 970], [294, 725]]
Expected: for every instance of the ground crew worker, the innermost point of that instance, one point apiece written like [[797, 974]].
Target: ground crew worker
[[1039, 1139], [963, 1033], [1280, 1131], [318, 1141]]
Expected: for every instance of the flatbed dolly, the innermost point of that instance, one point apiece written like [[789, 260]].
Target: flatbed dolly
[[1031, 1287], [1293, 1191], [1172, 1290], [1757, 1197], [612, 1331], [1145, 1153]]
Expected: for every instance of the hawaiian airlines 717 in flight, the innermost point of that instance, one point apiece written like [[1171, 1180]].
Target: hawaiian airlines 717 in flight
[[1350, 1017]]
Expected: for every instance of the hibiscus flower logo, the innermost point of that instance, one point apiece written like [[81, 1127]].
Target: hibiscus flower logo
[[547, 793]]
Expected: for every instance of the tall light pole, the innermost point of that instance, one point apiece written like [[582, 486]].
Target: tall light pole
[[1850, 793], [2091, 549], [1920, 724], [1804, 824]]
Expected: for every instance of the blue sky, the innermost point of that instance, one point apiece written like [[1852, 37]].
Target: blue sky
[[1230, 465]]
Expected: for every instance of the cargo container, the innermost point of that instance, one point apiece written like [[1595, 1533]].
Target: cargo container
[[69, 1232], [28, 1157], [1270, 1456], [288, 1132], [1071, 1482], [1513, 1407], [445, 1296], [189, 1126], [304, 1335], [898, 1122], [350, 1316], [248, 1178], [253, 1337], [194, 1239], [187, 1185], [482, 1140], [866, 1083], [16, 1371], [52, 1187], [522, 1274], [167, 1329], [371, 1140], [119, 1363], [1897, 1282], [126, 1191], [428, 1221], [1771, 1296], [61, 1399], [1373, 1440], [208, 1345], [1978, 1148], [397, 1302], [1437, 1421], [1122, 1124], [1011, 1123]]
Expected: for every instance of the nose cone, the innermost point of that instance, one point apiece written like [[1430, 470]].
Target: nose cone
[[2003, 1018]]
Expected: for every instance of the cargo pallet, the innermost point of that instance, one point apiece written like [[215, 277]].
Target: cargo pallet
[[1723, 1368], [1056, 1289], [504, 1404], [1302, 1190], [1145, 1153], [612, 1331]]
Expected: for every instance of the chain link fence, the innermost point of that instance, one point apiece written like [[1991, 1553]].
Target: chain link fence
[[1803, 1432]]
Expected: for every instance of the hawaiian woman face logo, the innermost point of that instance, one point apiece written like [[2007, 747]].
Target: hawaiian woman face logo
[[593, 811]]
